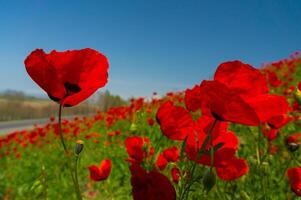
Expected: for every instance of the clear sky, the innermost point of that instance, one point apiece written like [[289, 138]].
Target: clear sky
[[154, 45]]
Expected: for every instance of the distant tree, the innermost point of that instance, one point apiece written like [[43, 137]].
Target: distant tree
[[106, 100]]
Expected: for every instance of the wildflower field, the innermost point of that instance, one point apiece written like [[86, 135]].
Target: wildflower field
[[235, 136]]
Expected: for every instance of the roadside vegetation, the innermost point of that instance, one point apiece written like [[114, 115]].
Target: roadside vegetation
[[15, 105]]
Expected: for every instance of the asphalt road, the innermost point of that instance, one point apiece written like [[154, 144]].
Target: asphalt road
[[18, 125], [11, 126]]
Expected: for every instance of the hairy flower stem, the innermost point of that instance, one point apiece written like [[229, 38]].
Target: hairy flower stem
[[66, 153], [258, 146], [260, 161], [184, 194], [60, 129], [76, 178]]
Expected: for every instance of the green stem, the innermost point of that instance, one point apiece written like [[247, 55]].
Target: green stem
[[260, 160], [295, 159], [60, 129], [208, 138], [258, 147], [76, 179], [211, 151], [285, 170], [75, 183]]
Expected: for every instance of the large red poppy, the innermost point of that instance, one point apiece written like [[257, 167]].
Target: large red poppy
[[68, 77], [223, 103], [150, 185], [237, 94], [250, 84]]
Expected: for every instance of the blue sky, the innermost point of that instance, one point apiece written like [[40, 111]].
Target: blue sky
[[155, 45]]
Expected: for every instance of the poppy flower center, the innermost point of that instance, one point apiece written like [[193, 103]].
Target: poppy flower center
[[272, 126], [217, 117], [71, 89]]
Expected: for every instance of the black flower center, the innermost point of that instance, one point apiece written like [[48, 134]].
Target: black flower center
[[71, 89], [217, 117]]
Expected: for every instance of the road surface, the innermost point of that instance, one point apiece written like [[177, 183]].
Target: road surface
[[11, 126]]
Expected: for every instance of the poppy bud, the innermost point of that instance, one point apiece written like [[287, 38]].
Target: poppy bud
[[297, 95], [292, 146], [133, 127], [209, 180], [78, 147]]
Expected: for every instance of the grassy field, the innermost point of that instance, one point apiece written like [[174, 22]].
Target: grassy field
[[33, 164]]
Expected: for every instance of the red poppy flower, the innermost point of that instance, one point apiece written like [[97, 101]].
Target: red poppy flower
[[273, 79], [248, 82], [161, 162], [279, 121], [168, 155], [294, 176], [175, 174], [150, 185], [268, 106], [172, 154], [237, 94], [150, 121], [222, 141], [175, 121], [294, 138], [102, 172], [137, 148], [193, 98], [68, 77], [271, 129], [270, 133], [225, 144], [232, 169], [223, 103]]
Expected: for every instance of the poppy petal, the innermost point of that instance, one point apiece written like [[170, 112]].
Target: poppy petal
[[241, 78], [175, 121], [233, 169]]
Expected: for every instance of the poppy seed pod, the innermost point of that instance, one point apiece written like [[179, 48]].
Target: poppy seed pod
[[209, 180], [292, 147], [79, 147], [293, 142], [133, 127]]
